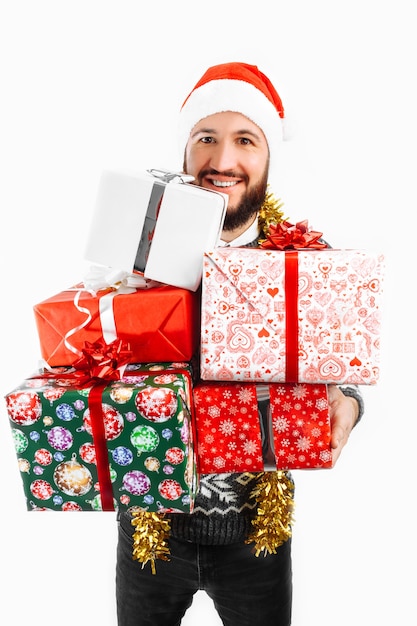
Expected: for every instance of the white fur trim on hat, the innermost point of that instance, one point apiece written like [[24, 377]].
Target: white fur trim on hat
[[239, 96]]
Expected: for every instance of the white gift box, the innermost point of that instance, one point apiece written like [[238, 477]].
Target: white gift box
[[156, 224], [310, 316]]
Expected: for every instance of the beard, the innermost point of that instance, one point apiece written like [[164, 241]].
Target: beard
[[248, 207]]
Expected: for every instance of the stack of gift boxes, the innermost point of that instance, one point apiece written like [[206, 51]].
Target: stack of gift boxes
[[175, 357]]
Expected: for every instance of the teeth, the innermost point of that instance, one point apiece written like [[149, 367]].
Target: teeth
[[218, 183]]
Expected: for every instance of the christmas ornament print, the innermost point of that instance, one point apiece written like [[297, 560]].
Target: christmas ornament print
[[148, 437], [24, 408], [20, 440], [73, 478], [144, 438], [113, 422], [136, 483], [170, 489], [156, 404]]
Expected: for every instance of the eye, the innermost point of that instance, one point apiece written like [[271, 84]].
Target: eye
[[207, 139], [245, 141]]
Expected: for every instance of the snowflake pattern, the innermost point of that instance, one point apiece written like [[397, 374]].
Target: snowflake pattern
[[281, 424], [230, 434], [233, 429], [299, 391], [227, 427]]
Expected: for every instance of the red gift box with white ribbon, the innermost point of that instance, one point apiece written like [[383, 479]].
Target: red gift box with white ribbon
[[160, 323]]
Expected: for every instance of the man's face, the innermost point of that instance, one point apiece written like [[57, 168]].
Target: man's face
[[229, 153]]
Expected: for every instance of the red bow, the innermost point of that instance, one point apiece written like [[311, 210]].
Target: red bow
[[286, 236], [104, 361]]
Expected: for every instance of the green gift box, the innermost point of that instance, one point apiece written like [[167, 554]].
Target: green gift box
[[84, 445]]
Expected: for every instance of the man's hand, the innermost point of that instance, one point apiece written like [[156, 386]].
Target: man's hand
[[344, 412]]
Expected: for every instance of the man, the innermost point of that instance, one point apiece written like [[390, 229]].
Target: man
[[231, 126]]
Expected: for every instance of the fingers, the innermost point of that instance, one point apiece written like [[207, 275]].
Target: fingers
[[343, 414]]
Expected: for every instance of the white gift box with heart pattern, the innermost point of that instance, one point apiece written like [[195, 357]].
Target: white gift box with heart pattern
[[309, 316]]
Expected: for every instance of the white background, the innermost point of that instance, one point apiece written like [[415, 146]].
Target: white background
[[88, 85]]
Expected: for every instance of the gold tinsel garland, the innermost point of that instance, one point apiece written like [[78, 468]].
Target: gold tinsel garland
[[271, 527], [150, 538], [274, 491], [274, 494], [269, 213]]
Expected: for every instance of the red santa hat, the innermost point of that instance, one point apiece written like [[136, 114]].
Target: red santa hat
[[235, 87]]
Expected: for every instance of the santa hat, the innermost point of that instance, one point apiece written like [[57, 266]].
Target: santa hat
[[237, 87]]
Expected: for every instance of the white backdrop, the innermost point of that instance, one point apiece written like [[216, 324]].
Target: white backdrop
[[88, 85]]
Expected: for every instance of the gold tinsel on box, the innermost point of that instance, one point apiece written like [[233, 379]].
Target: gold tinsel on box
[[269, 213], [274, 493], [150, 538]]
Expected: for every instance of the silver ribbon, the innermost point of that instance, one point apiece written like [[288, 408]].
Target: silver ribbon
[[166, 176], [265, 421]]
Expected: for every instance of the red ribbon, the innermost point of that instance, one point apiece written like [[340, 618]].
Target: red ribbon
[[82, 379], [79, 378], [286, 236], [104, 361], [290, 237], [95, 405], [100, 364], [291, 317]]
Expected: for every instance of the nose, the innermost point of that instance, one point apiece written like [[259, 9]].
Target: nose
[[223, 157]]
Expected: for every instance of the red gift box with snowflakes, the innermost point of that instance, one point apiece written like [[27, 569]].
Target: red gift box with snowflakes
[[84, 446], [308, 316], [248, 427], [160, 323]]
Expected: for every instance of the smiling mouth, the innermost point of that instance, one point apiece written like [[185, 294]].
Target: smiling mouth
[[228, 183]]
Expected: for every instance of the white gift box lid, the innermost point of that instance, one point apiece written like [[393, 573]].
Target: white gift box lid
[[190, 220]]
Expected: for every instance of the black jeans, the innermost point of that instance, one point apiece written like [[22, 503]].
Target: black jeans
[[246, 590]]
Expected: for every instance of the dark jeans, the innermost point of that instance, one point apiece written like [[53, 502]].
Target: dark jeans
[[246, 590]]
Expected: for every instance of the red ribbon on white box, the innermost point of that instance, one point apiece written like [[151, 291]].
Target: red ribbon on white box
[[291, 317]]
